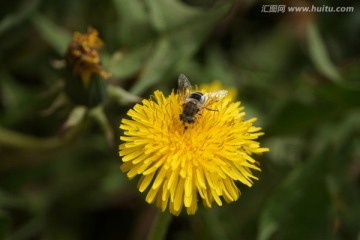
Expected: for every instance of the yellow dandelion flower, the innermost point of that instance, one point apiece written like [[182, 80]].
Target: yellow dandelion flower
[[83, 55], [182, 164]]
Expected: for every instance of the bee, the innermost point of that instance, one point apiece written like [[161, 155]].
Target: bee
[[194, 102]]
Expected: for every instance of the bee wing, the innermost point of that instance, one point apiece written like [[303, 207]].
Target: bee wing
[[184, 87], [213, 97]]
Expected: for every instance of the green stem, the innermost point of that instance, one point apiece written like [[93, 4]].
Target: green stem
[[160, 226], [23, 141], [100, 116]]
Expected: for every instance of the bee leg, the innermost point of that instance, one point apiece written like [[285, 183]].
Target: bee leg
[[185, 128], [209, 109]]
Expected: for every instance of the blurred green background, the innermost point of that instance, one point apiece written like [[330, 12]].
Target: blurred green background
[[298, 73]]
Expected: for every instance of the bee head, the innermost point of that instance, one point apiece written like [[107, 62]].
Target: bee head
[[186, 118]]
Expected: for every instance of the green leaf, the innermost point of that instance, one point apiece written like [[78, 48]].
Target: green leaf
[[295, 118], [121, 95], [298, 210], [9, 200], [351, 73], [76, 117], [168, 14], [19, 101], [319, 54], [218, 67], [25, 11], [331, 102], [134, 25], [261, 60], [303, 206], [162, 60], [126, 63], [56, 36], [170, 49]]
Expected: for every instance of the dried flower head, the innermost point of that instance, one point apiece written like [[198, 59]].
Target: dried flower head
[[83, 56], [182, 164]]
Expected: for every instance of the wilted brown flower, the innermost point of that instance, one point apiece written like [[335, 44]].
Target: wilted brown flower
[[83, 57]]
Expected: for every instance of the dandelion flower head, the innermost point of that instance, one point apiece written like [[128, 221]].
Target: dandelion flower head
[[83, 55], [182, 164]]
